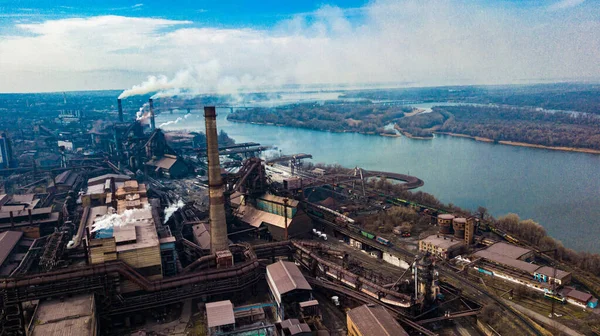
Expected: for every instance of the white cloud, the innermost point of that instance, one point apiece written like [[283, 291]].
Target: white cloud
[[563, 4], [429, 42]]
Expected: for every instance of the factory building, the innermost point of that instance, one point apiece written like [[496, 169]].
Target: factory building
[[441, 246], [276, 215], [128, 233], [169, 166], [22, 213], [579, 298], [13, 247], [372, 320], [6, 154], [220, 317], [288, 286], [511, 263], [68, 180], [71, 316]]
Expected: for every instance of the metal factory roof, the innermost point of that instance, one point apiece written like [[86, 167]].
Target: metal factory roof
[[8, 241], [446, 216], [202, 235], [375, 321], [549, 271], [504, 260], [255, 217], [103, 178], [71, 317], [577, 295], [286, 277], [165, 162], [442, 242], [219, 313], [508, 250]]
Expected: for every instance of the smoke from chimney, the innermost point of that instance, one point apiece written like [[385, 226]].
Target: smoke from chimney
[[120, 107], [218, 225], [152, 121]]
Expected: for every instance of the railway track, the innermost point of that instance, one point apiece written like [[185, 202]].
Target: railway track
[[443, 270]]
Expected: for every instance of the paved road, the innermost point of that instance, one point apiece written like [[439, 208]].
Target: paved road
[[543, 319]]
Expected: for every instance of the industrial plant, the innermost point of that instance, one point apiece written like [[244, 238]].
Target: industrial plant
[[110, 225]]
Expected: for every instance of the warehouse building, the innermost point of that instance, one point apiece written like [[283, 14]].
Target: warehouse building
[[508, 262], [271, 213], [169, 166], [372, 320], [288, 286], [22, 213], [220, 317], [441, 246], [579, 298]]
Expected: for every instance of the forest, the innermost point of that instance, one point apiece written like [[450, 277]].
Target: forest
[[363, 117], [523, 125]]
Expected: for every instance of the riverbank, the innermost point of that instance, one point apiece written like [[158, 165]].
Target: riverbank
[[314, 129], [523, 144], [410, 136]]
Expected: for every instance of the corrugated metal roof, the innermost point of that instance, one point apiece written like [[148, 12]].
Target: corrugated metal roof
[[255, 217], [504, 260], [165, 162], [287, 277], [219, 313], [375, 321], [509, 250], [577, 295], [8, 241], [549, 271]]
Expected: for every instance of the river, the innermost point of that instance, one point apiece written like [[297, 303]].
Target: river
[[560, 190]]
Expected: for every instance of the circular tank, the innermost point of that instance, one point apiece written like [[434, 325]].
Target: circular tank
[[445, 223], [458, 225]]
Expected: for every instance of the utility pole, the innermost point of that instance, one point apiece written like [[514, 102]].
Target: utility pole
[[285, 216]]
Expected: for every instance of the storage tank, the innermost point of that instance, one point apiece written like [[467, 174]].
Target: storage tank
[[458, 224], [445, 223]]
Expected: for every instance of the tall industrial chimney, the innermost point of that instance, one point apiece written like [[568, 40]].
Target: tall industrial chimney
[[152, 122], [120, 107], [218, 225]]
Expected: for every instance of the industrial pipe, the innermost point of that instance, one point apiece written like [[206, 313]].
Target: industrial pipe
[[120, 108], [152, 121], [218, 224]]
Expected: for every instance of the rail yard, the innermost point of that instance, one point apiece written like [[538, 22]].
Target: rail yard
[[113, 226]]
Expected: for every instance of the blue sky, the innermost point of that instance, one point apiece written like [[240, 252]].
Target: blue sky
[[198, 46]]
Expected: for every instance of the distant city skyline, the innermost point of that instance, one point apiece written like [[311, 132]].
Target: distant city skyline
[[197, 46]]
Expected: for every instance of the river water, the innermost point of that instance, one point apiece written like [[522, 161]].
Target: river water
[[560, 190]]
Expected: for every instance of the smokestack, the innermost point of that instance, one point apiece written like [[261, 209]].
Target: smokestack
[[218, 225], [151, 106], [120, 110]]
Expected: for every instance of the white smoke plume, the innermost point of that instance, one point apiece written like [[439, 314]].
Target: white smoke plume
[[142, 114], [173, 122], [171, 209], [115, 220], [206, 78]]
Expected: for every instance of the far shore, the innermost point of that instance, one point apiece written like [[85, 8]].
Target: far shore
[[523, 144]]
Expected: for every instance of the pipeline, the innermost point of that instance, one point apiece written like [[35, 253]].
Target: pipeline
[[129, 273], [301, 246], [200, 261]]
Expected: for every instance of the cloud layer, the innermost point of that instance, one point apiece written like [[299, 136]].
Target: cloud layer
[[431, 42]]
